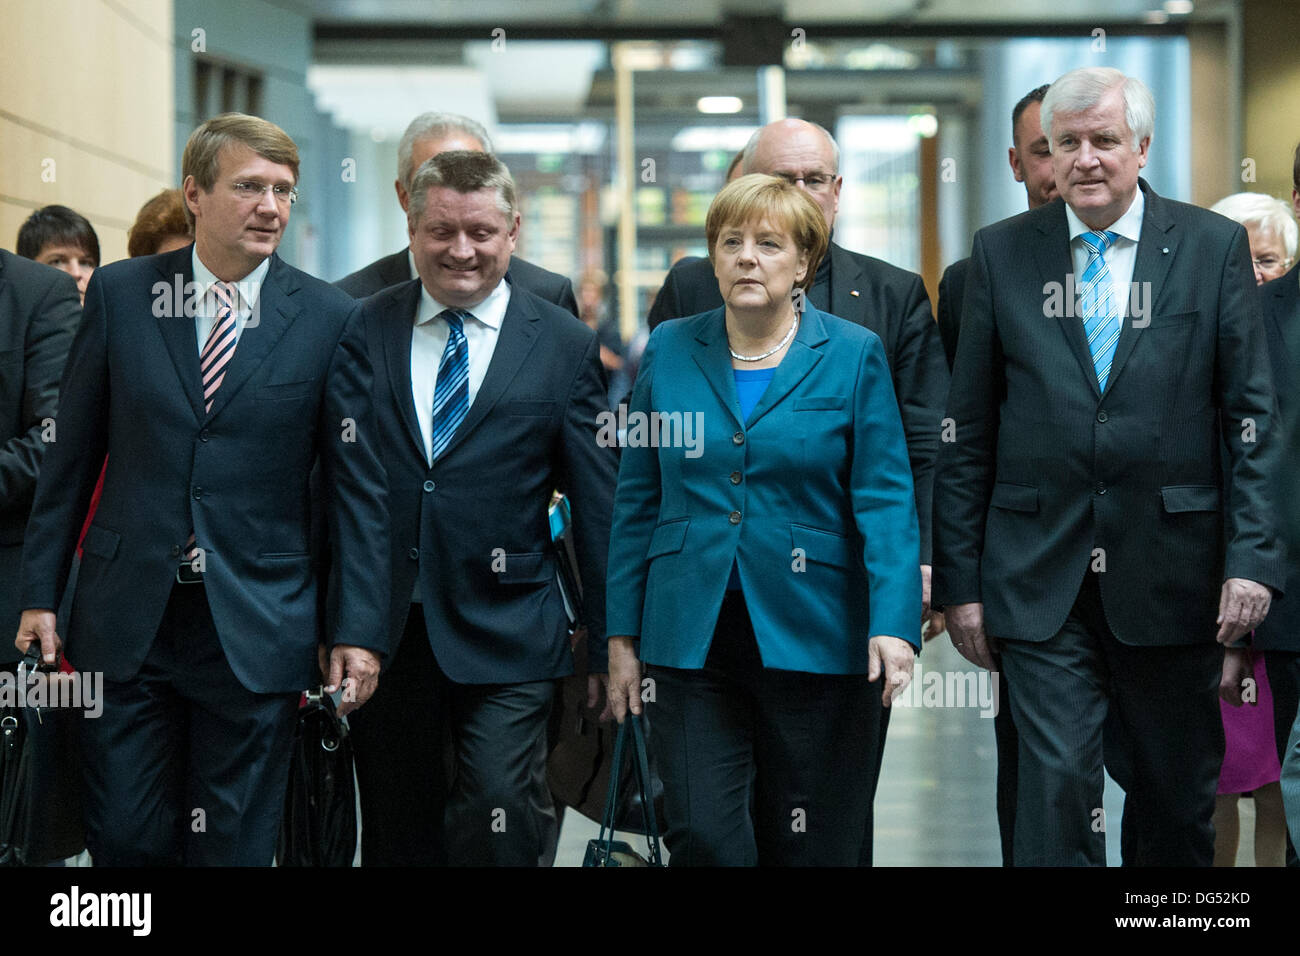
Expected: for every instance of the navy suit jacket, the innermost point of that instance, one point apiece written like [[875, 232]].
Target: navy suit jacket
[[1044, 469], [39, 312], [296, 390], [889, 301], [396, 268], [811, 497], [474, 527]]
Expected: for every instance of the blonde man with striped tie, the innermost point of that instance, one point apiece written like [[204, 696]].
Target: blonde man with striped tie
[[214, 377]]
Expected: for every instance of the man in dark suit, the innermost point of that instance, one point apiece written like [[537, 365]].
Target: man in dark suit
[[487, 398], [1031, 164], [39, 312], [887, 300], [213, 377], [427, 135], [1080, 510], [1279, 636]]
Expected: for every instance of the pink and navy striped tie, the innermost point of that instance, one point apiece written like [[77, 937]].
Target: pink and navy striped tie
[[213, 361]]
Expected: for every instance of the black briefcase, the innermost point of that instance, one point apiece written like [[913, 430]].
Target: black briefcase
[[320, 808], [40, 777]]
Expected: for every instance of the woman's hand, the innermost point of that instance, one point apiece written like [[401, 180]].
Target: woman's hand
[[624, 690], [896, 656]]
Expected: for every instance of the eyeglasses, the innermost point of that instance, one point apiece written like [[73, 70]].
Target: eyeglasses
[[250, 190], [1269, 263], [813, 182]]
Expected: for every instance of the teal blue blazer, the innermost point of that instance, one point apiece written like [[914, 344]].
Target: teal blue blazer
[[811, 497]]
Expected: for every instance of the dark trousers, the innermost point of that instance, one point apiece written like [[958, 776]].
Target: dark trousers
[[1167, 701], [762, 766], [185, 764], [451, 773], [1008, 748]]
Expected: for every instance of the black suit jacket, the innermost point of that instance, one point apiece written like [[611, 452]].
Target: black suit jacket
[[1281, 305], [887, 300], [474, 526], [1044, 469], [952, 287], [390, 270], [39, 312], [297, 389]]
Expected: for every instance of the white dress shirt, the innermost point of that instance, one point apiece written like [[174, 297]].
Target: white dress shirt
[[249, 290], [1120, 257], [429, 339]]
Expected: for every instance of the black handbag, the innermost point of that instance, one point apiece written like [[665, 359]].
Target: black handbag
[[605, 850], [319, 827], [40, 778]]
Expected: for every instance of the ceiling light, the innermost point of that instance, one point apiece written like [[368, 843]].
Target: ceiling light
[[1178, 7], [720, 104]]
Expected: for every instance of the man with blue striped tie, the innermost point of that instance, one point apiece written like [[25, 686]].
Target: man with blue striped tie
[[487, 397], [1082, 524]]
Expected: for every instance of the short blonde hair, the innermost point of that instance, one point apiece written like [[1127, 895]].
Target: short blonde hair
[[202, 156], [757, 197]]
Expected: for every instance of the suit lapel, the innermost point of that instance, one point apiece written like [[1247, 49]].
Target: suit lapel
[[1155, 252], [1055, 265], [396, 324], [176, 324], [711, 355], [272, 315], [847, 280], [520, 328], [803, 355]]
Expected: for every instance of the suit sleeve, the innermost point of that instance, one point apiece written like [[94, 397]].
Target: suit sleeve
[[356, 493], [880, 484], [1246, 397], [636, 512], [73, 461], [587, 476], [948, 313], [921, 383], [965, 470], [51, 324], [565, 298]]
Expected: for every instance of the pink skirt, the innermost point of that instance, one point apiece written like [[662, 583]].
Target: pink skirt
[[1250, 757]]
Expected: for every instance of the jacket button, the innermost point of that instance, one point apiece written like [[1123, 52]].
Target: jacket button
[[1100, 488], [203, 435], [413, 554], [735, 477], [198, 492], [429, 486], [734, 517], [1102, 416], [175, 551], [738, 438]]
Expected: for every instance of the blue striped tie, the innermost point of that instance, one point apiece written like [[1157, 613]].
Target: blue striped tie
[[1101, 323], [451, 393]]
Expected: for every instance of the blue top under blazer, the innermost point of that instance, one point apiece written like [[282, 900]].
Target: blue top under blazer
[[811, 497]]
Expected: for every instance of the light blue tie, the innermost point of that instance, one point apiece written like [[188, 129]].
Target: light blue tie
[[1101, 322], [451, 393]]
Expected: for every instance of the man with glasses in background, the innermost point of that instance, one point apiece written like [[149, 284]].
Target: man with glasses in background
[[214, 377]]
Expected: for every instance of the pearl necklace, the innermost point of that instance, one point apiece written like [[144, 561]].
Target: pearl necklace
[[772, 351]]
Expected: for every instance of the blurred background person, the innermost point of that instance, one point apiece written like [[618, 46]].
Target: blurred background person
[[593, 309], [1252, 762], [160, 226], [1270, 227], [63, 238], [762, 671]]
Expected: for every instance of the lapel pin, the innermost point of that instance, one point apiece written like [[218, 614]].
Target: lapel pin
[[853, 292]]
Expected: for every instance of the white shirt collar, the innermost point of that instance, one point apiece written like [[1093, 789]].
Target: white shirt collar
[[250, 287], [1129, 225], [490, 311]]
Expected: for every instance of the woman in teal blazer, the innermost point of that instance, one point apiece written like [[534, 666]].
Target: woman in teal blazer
[[764, 555]]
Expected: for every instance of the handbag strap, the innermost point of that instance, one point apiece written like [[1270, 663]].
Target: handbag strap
[[641, 766], [647, 793], [611, 794]]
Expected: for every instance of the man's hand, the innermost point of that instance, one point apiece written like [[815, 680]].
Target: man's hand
[[356, 670], [935, 626], [925, 593], [596, 685], [1237, 666], [896, 656], [624, 687], [966, 631], [1243, 605], [37, 627]]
